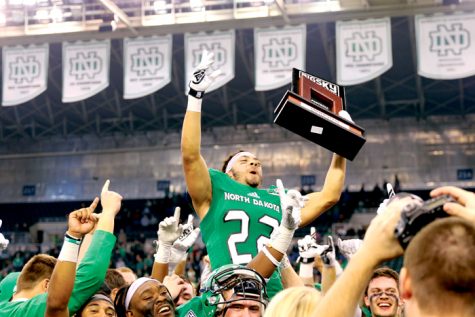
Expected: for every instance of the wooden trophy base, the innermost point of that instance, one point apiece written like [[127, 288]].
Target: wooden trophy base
[[319, 125]]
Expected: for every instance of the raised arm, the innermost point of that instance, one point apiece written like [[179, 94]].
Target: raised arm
[[197, 177], [319, 202], [80, 222], [3, 242]]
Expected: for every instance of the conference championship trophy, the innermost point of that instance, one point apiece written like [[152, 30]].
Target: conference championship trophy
[[310, 109]]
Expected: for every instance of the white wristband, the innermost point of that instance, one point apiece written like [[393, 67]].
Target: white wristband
[[306, 270], [69, 251], [270, 256], [194, 104], [163, 253], [282, 239]]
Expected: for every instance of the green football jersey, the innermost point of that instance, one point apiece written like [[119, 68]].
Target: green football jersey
[[239, 223]]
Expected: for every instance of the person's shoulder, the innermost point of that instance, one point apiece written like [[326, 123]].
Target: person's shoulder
[[193, 308]]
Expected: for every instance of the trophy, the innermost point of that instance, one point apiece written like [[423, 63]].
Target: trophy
[[310, 109]]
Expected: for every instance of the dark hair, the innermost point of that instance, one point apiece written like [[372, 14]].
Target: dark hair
[[39, 267], [383, 272], [119, 302], [79, 312], [226, 161]]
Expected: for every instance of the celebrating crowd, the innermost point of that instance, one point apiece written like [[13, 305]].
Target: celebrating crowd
[[247, 231]]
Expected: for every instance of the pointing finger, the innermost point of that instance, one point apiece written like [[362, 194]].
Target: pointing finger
[[105, 188], [190, 219], [94, 203]]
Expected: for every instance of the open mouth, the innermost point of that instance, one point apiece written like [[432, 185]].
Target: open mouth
[[164, 310], [253, 172], [384, 305]]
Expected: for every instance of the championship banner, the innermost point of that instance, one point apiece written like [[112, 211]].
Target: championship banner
[[147, 65], [221, 43], [85, 69], [363, 50], [277, 51], [446, 46], [25, 73]]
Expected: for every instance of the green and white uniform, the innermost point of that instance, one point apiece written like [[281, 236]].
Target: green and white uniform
[[89, 278], [197, 307], [239, 222]]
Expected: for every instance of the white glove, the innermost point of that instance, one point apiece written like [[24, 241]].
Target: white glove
[[308, 247], [345, 115], [184, 242], [329, 254], [3, 242], [349, 247], [168, 232], [200, 81], [291, 204]]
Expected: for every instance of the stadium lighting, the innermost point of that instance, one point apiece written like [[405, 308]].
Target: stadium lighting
[[42, 14], [160, 6], [197, 5], [3, 19]]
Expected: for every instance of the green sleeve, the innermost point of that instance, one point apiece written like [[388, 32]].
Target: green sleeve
[[92, 270]]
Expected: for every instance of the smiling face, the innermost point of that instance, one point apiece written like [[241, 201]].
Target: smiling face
[[383, 297], [247, 170], [151, 299]]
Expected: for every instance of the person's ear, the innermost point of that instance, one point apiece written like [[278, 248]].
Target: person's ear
[[367, 301], [45, 285], [405, 284]]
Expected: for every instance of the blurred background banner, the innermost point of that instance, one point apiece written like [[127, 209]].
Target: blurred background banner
[[363, 50], [25, 73], [222, 44], [147, 65], [85, 69], [276, 52], [446, 46]]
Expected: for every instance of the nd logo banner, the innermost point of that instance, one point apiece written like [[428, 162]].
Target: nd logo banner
[[276, 52], [445, 46], [363, 50], [25, 72], [85, 69], [222, 44], [147, 65]]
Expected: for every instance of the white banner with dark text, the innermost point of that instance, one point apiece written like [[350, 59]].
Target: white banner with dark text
[[363, 50], [147, 65], [277, 51], [446, 46], [25, 73], [222, 44], [85, 69]]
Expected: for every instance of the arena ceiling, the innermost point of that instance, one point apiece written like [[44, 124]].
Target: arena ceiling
[[400, 92]]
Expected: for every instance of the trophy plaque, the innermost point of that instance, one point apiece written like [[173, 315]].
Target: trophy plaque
[[310, 109]]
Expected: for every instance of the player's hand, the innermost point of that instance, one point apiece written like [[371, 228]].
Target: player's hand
[[308, 247], [3, 242], [82, 221], [174, 284], [291, 204], [329, 254], [111, 201], [464, 207], [380, 242], [169, 229], [349, 247], [185, 241], [200, 80]]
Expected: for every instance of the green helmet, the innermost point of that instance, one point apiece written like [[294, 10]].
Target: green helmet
[[246, 283]]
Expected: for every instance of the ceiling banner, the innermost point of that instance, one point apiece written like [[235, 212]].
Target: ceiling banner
[[85, 69], [276, 52], [363, 50], [222, 44], [25, 73], [446, 46], [147, 65]]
